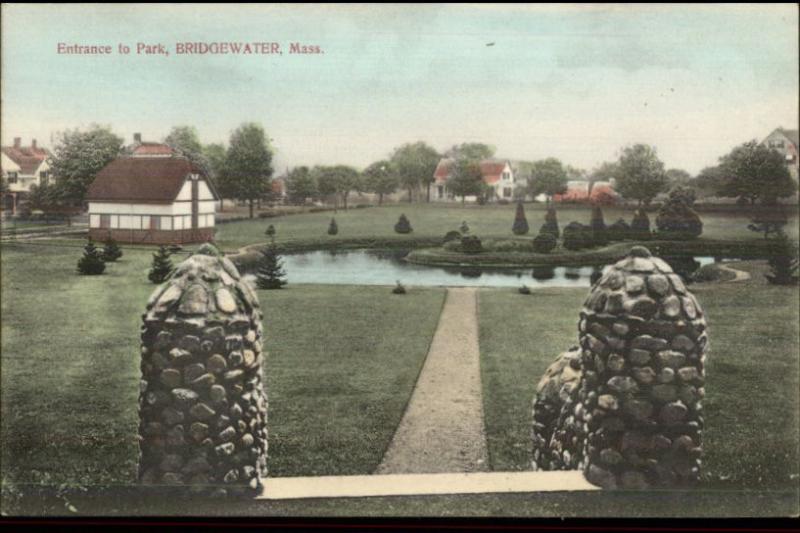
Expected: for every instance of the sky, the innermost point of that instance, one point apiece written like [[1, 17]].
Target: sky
[[576, 82]]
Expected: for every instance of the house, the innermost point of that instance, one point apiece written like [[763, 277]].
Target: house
[[584, 191], [22, 167], [278, 188], [152, 199], [496, 173], [785, 142]]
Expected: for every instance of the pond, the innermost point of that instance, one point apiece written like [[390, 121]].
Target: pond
[[386, 267]]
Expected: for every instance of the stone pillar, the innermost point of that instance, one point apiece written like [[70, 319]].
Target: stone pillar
[[636, 419], [202, 405]]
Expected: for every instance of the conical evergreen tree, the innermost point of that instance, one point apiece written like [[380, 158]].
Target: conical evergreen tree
[[270, 232], [270, 273], [162, 266], [520, 226], [550, 223], [111, 250], [598, 225], [91, 264], [333, 229], [403, 225], [783, 264]]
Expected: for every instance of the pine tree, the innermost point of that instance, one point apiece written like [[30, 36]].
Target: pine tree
[[162, 266], [270, 231], [598, 225], [640, 225], [520, 226], [333, 229], [403, 225], [270, 273], [783, 264], [111, 250], [91, 264], [550, 223]]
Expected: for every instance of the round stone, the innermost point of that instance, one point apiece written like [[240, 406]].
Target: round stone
[[193, 371], [217, 393], [194, 301], [216, 363], [198, 431], [184, 398], [170, 377], [622, 384], [225, 301], [666, 375], [634, 284], [673, 413], [640, 251], [671, 306], [201, 411], [658, 284], [664, 393], [607, 402], [639, 409], [644, 375]]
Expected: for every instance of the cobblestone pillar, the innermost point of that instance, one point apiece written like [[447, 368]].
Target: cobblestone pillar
[[202, 406]]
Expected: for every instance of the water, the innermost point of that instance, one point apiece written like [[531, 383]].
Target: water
[[386, 267]]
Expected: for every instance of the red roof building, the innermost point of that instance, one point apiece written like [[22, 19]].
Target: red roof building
[[495, 172], [22, 167]]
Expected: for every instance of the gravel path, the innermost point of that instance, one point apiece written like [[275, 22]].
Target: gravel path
[[741, 275], [442, 429]]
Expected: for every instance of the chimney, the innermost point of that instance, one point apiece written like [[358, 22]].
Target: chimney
[[17, 142], [137, 138], [33, 144]]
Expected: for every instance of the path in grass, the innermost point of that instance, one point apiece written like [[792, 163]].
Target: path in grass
[[741, 275], [442, 428]]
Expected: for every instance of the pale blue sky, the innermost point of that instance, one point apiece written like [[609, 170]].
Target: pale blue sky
[[573, 82]]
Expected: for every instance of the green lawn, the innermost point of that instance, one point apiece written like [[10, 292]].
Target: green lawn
[[340, 370], [433, 221], [753, 376]]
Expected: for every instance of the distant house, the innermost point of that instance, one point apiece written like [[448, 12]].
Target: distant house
[[22, 167], [786, 142], [497, 173], [278, 188], [586, 191], [152, 199], [141, 148]]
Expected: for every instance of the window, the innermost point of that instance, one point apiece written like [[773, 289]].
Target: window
[[776, 144], [12, 177], [105, 221], [506, 192], [44, 177], [440, 191], [155, 222], [506, 175]]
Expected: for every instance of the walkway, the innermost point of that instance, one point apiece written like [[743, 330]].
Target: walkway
[[442, 429]]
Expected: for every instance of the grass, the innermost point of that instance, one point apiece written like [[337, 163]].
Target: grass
[[753, 376], [433, 221], [339, 374]]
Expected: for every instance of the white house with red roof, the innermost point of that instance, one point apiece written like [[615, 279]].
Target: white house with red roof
[[22, 167], [786, 142], [496, 173]]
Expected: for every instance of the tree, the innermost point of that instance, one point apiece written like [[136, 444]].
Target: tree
[[783, 263], [520, 226], [403, 225], [91, 264], [641, 174], [270, 274], [771, 219], [548, 177], [247, 171], [162, 267], [677, 219], [300, 184], [111, 250], [598, 226], [677, 176], [380, 179], [640, 225], [77, 158], [752, 172], [337, 181], [333, 228], [185, 141], [474, 151], [465, 178], [414, 165], [550, 223], [270, 232], [44, 197]]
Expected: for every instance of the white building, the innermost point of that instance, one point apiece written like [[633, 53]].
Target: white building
[[496, 173], [152, 200], [22, 167], [785, 142]]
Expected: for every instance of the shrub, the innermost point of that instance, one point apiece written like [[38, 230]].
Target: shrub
[[712, 272], [676, 219], [452, 246], [161, 268], [577, 236], [771, 220], [503, 201], [452, 236], [684, 266], [508, 245], [598, 226], [399, 288], [403, 225], [464, 229], [524, 290], [520, 226], [544, 243], [267, 214], [471, 244], [270, 274], [550, 223], [618, 231], [91, 264], [783, 264], [640, 225], [175, 248], [270, 231], [333, 229], [111, 251]]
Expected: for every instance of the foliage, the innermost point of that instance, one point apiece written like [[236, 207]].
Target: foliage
[[486, 193], [464, 228], [380, 178], [247, 171], [752, 172], [677, 220], [783, 263], [300, 184], [403, 225], [641, 174], [618, 231], [678, 177], [550, 223], [91, 264], [548, 177], [399, 288], [770, 220], [339, 180], [684, 194], [577, 236], [684, 266], [452, 236], [214, 155], [465, 178], [471, 244], [598, 226], [333, 228], [111, 250], [414, 165], [270, 231], [44, 197], [471, 151], [524, 290], [185, 141], [161, 268], [77, 158], [605, 172], [520, 226], [640, 225], [544, 243], [270, 274]]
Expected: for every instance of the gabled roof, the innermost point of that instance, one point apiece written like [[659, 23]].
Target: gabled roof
[[141, 180], [789, 134], [491, 169], [147, 149], [27, 157]]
